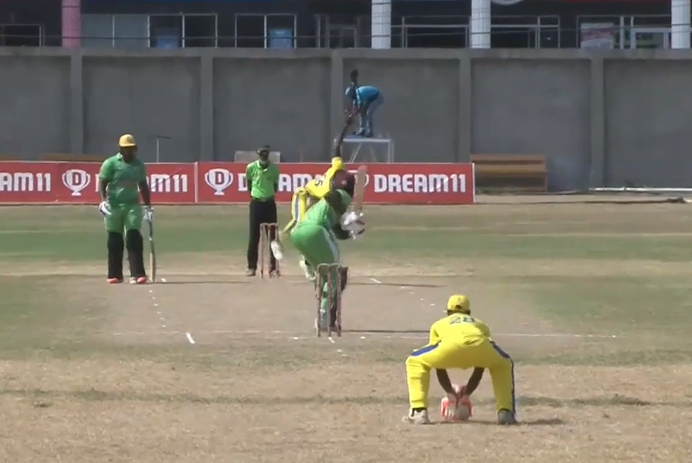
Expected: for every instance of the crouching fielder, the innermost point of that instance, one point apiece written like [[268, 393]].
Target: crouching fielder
[[315, 237], [459, 341]]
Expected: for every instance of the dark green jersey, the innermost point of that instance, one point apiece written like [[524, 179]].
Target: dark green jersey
[[322, 214], [123, 179]]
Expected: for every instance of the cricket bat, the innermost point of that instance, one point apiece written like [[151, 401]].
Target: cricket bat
[[359, 191], [152, 254]]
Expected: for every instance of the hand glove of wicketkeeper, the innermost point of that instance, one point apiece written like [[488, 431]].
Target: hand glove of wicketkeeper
[[104, 208], [149, 214], [453, 399]]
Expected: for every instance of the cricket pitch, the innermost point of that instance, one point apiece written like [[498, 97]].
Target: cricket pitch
[[592, 301]]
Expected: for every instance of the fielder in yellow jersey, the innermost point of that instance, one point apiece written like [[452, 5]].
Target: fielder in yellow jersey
[[459, 341], [312, 192]]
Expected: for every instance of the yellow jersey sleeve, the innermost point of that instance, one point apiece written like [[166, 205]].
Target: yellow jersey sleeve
[[434, 338]]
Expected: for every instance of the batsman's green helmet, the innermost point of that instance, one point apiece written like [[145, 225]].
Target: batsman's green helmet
[[458, 303]]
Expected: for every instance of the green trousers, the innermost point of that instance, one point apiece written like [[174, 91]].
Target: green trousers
[[124, 217], [319, 246]]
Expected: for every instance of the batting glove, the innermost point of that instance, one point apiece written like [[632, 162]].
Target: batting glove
[[350, 217], [105, 208], [149, 214], [356, 229]]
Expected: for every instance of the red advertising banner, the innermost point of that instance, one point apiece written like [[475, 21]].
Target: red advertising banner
[[386, 183], [225, 183], [77, 182]]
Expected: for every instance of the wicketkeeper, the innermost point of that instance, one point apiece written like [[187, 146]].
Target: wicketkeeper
[[121, 179], [459, 341], [315, 237]]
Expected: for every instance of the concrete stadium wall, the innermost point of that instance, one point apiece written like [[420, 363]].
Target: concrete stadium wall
[[602, 119]]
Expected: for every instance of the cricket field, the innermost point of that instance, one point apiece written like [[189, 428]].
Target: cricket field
[[594, 302]]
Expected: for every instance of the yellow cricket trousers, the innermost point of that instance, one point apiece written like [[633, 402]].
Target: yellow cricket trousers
[[450, 355]]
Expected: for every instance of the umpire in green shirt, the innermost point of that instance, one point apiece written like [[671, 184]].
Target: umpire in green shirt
[[262, 183]]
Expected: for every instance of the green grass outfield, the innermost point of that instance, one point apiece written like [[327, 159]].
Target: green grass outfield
[[601, 269], [76, 234]]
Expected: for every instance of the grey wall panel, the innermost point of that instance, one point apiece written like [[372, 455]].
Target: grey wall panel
[[420, 110], [147, 97], [34, 105], [280, 102], [648, 123], [535, 107]]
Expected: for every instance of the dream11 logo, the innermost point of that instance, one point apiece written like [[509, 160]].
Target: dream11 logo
[[76, 180], [218, 179]]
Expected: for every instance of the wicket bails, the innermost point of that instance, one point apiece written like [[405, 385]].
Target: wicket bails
[[333, 319], [268, 231]]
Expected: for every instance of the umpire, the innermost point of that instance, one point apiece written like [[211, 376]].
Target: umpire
[[262, 183]]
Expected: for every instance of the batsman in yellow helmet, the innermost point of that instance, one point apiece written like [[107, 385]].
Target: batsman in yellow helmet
[[459, 341]]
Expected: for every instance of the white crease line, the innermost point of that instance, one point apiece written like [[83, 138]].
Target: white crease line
[[363, 334], [375, 280], [188, 335]]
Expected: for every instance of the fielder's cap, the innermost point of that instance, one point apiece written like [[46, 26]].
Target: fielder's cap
[[127, 141], [263, 149], [459, 303]]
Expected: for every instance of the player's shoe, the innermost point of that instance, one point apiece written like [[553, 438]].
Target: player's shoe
[[138, 280], [250, 272], [114, 281], [505, 417], [420, 417], [274, 274], [309, 272]]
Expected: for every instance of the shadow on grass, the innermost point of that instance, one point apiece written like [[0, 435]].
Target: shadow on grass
[[398, 285], [204, 282], [387, 331], [43, 396], [539, 422]]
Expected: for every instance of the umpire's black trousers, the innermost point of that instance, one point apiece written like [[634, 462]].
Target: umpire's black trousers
[[260, 212]]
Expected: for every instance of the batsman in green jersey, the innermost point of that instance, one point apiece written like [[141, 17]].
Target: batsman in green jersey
[[121, 179], [315, 237]]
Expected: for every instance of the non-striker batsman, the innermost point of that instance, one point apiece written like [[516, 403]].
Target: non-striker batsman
[[121, 179]]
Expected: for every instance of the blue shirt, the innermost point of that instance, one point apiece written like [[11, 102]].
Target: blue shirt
[[363, 94]]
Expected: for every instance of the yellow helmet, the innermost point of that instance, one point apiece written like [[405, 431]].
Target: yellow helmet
[[458, 303], [127, 141]]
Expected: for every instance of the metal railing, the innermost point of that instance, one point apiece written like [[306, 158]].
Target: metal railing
[[278, 31]]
